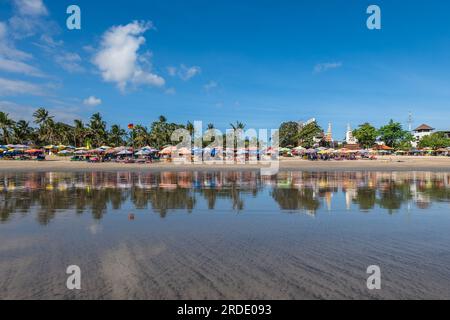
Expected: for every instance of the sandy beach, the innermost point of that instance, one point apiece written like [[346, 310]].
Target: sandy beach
[[387, 163]]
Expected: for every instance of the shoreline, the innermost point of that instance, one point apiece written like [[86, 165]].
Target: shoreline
[[387, 163]]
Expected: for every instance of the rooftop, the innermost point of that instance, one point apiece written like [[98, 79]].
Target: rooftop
[[424, 127]]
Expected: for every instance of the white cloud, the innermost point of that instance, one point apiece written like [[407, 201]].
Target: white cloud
[[92, 101], [210, 85], [184, 72], [119, 60], [15, 87], [70, 62], [324, 67], [7, 49], [29, 19], [19, 67], [31, 7]]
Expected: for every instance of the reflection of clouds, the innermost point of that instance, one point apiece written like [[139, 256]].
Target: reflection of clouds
[[126, 268], [95, 228]]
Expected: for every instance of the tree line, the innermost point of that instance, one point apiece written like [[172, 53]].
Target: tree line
[[45, 130]]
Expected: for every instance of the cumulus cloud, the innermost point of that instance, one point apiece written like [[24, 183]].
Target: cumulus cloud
[[16, 87], [324, 67], [92, 101], [119, 60]]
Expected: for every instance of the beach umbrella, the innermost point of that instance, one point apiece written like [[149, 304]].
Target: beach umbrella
[[142, 153], [168, 150], [184, 151], [149, 149], [63, 152], [124, 152], [79, 152], [33, 151]]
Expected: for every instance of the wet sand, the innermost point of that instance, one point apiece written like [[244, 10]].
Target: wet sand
[[387, 163]]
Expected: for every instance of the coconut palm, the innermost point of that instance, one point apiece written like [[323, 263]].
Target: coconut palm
[[79, 132], [117, 136], [97, 130], [23, 132], [6, 125]]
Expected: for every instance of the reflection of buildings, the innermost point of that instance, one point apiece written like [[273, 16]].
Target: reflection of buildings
[[163, 192]]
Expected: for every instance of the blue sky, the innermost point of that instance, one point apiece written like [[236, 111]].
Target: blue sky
[[261, 62]]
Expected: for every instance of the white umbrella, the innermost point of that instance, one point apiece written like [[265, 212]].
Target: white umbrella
[[125, 152]]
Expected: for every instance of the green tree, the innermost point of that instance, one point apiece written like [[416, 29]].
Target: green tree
[[97, 130], [6, 125], [435, 141], [308, 133], [79, 132], [161, 132], [392, 134], [117, 136], [289, 134], [366, 135], [406, 143], [23, 132]]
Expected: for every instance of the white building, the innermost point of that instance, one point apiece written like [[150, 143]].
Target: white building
[[349, 138], [420, 132]]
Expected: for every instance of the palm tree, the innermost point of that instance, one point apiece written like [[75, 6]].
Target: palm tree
[[6, 124], [141, 137], [238, 126], [190, 127], [41, 116], [117, 135], [22, 132], [46, 125], [97, 128], [79, 132], [211, 126]]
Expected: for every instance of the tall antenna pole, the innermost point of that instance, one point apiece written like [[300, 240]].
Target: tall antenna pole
[[410, 122]]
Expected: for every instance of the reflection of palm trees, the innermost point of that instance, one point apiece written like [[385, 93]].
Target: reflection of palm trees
[[366, 198], [48, 193], [293, 199], [393, 195]]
